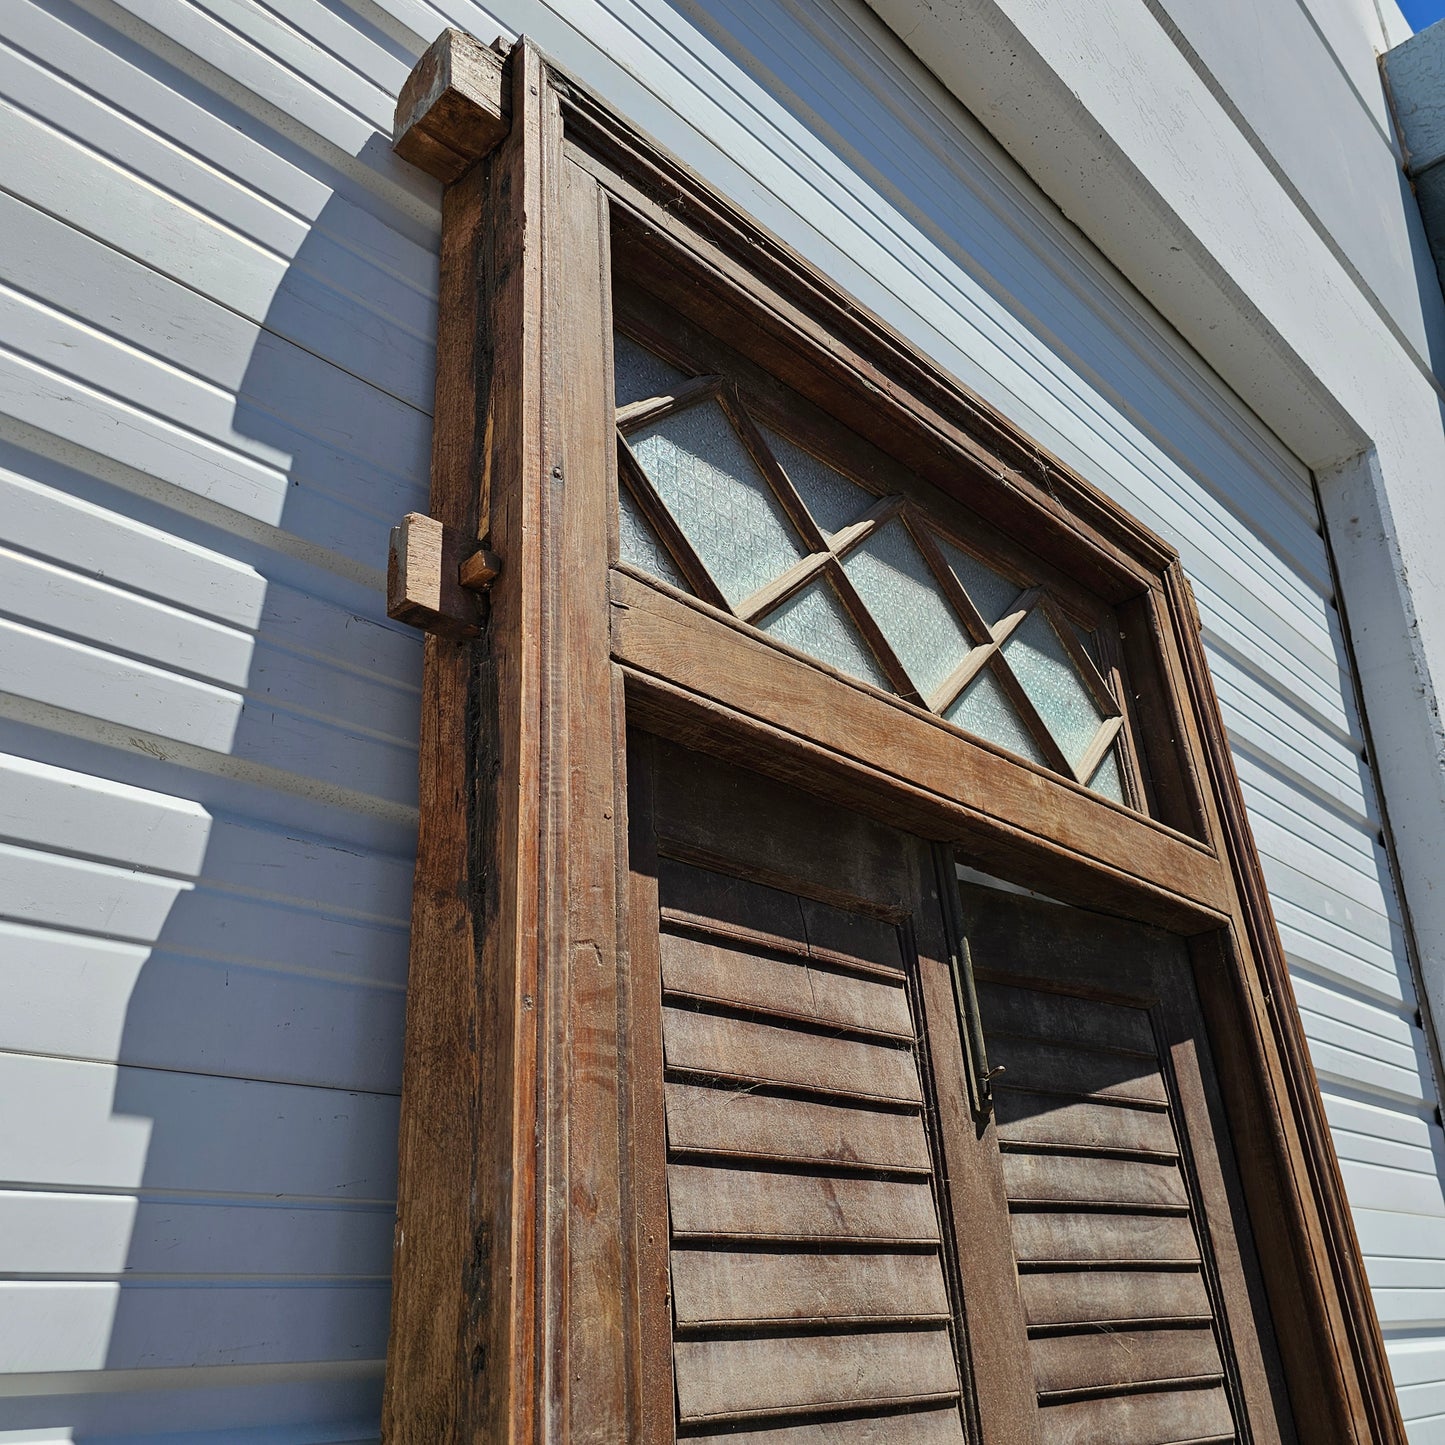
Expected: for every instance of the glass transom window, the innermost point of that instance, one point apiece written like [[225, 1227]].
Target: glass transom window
[[736, 513]]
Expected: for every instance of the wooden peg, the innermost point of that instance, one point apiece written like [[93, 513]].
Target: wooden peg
[[433, 575]]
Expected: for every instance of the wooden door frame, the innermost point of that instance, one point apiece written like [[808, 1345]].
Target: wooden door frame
[[517, 1311]]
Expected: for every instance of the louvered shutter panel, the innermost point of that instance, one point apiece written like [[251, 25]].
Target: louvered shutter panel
[[810, 1289], [1112, 1172]]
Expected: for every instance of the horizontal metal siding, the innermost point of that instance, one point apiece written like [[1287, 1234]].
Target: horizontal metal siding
[[218, 289], [216, 321]]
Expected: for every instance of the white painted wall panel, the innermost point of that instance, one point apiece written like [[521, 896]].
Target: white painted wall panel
[[218, 296]]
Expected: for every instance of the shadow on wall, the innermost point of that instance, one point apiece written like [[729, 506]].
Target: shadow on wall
[[256, 950]]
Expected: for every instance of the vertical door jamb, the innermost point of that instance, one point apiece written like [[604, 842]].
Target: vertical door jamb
[[511, 1123]]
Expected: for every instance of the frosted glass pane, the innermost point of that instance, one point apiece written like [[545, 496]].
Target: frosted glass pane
[[1048, 675], [894, 582], [816, 622], [638, 544], [722, 502], [985, 709], [1107, 779], [991, 594], [639, 374], [833, 500]]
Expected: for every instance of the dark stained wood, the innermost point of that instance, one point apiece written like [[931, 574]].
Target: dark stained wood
[[977, 1205], [1147, 1054], [708, 1202], [876, 1250], [1043, 1120], [708, 656], [714, 1287], [532, 1264], [737, 1124], [1093, 1182], [581, 865], [700, 969], [1047, 1067], [1103, 1239], [743, 1051], [1034, 1014], [435, 1273], [1174, 1417], [734, 1379], [911, 1427], [647, 1229], [454, 109], [512, 1034], [1113, 1298], [1106, 1360]]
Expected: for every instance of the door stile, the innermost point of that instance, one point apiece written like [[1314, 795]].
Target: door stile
[[435, 1267], [510, 1131], [591, 1312]]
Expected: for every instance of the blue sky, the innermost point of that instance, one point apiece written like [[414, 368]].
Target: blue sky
[[1421, 13]]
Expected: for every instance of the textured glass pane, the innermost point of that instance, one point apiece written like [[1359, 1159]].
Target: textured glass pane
[[985, 709], [1107, 779], [833, 500], [991, 594], [894, 581], [639, 374], [725, 508], [638, 544], [1049, 677], [816, 622]]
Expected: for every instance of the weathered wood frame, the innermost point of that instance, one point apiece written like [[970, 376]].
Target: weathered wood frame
[[521, 1310]]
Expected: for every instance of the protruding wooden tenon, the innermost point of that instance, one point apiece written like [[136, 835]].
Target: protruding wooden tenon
[[453, 109], [433, 575]]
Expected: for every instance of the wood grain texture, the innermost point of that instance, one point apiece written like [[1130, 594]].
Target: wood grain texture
[[740, 1124], [977, 789], [910, 1427], [806, 991], [741, 1203], [423, 578], [1160, 1238], [440, 1123], [1193, 1417], [1117, 1359], [735, 1379], [525, 983], [1113, 1297], [731, 1287], [454, 109], [696, 682], [749, 1053]]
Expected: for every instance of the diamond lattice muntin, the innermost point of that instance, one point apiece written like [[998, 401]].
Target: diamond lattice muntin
[[756, 522]]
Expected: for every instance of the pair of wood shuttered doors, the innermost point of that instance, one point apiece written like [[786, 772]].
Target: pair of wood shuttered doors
[[853, 1254], [699, 1157]]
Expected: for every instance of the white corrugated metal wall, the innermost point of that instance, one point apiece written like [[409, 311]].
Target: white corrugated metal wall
[[218, 289]]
